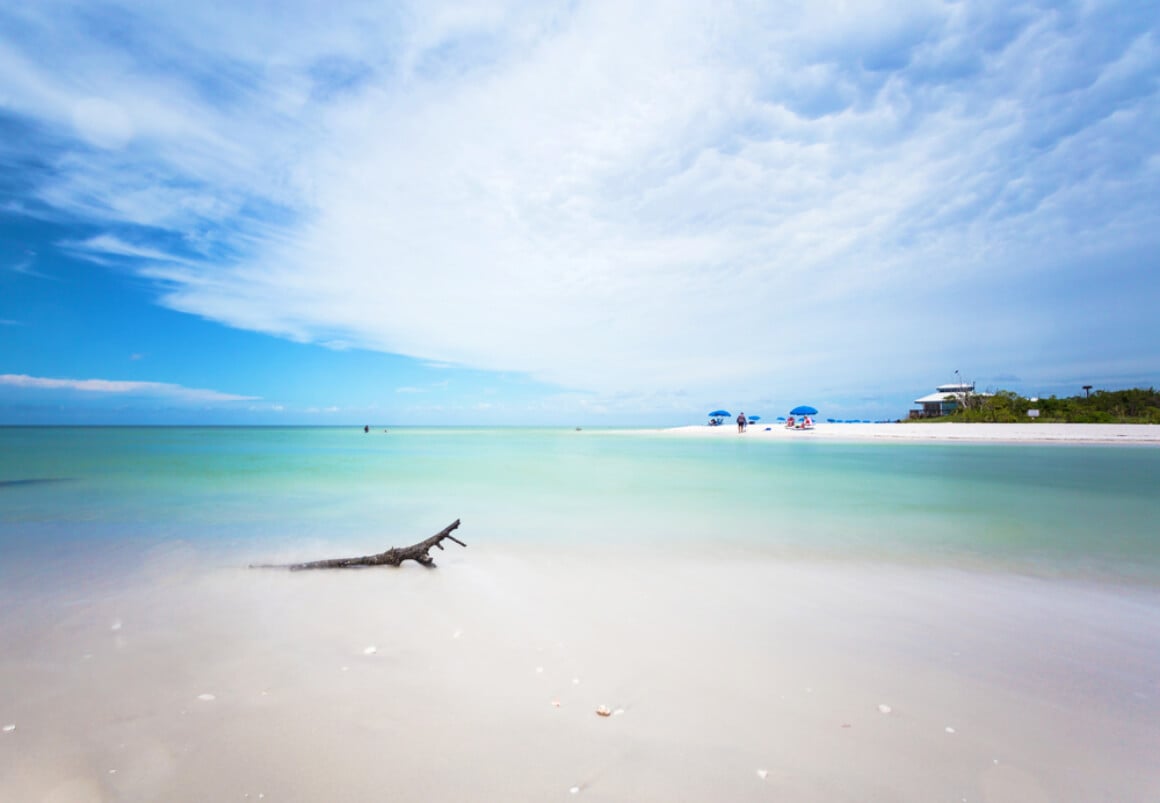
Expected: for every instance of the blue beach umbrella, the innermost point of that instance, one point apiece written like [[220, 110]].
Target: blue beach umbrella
[[719, 414], [753, 418], [781, 418], [804, 409]]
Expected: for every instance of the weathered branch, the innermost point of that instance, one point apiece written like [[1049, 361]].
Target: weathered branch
[[392, 557]]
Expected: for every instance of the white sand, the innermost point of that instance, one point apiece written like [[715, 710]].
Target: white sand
[[939, 431], [740, 678]]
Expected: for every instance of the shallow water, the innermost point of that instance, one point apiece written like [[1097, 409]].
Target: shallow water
[[1084, 511]]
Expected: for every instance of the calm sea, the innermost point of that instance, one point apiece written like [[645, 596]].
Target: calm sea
[[238, 494]]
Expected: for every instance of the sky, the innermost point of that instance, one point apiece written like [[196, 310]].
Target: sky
[[570, 213]]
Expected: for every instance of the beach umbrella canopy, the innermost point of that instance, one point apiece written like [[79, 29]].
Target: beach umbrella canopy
[[804, 409], [719, 414], [754, 418], [781, 418]]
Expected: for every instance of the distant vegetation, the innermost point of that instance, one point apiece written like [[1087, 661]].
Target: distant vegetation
[[1135, 406]]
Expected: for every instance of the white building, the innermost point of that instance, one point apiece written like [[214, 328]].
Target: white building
[[943, 401]]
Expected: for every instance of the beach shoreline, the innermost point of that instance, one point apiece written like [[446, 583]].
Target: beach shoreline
[[1148, 434], [874, 621]]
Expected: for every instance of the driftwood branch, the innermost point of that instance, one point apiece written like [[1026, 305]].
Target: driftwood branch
[[392, 557]]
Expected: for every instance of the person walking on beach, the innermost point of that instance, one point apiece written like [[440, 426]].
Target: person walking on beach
[[741, 422]]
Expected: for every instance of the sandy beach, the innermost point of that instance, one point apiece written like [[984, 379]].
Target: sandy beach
[[482, 681], [938, 431]]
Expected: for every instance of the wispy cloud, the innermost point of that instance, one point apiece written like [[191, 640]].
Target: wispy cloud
[[613, 196], [26, 266], [118, 387], [106, 245]]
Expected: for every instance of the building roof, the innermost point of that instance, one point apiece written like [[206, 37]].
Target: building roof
[[942, 394], [931, 398]]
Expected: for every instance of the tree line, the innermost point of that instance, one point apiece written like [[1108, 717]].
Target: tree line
[[1134, 406]]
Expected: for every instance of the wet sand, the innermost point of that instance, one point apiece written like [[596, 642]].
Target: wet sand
[[731, 676]]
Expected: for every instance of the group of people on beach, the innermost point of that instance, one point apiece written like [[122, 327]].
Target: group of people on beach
[[790, 423]]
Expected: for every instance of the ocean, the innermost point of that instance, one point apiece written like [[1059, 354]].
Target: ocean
[[240, 493]]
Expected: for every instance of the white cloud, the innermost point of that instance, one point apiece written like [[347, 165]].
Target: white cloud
[[119, 387], [613, 196], [105, 245]]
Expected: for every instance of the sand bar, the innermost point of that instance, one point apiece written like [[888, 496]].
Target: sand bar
[[937, 431]]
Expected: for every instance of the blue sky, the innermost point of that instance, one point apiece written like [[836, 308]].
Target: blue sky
[[570, 213]]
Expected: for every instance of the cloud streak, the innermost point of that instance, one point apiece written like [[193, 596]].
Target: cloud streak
[[608, 196], [120, 388]]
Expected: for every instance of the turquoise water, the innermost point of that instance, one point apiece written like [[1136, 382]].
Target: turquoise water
[[1085, 511]]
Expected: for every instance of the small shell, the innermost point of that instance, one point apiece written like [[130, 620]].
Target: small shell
[[8, 728], [603, 711], [949, 729], [206, 697], [371, 650], [575, 790], [555, 704], [885, 709], [763, 774]]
